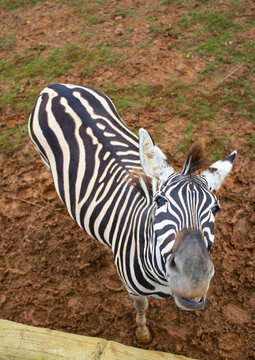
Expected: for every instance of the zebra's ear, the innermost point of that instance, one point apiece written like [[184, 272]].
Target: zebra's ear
[[217, 172], [153, 161]]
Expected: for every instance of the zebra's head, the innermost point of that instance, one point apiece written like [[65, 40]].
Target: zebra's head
[[184, 211]]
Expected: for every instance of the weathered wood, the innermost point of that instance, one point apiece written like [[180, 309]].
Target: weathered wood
[[23, 342], [116, 351]]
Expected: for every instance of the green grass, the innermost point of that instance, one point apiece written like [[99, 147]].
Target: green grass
[[89, 7], [214, 106], [14, 4], [156, 29], [34, 67], [95, 20], [188, 138], [152, 18], [85, 2], [13, 139], [223, 40], [213, 20], [136, 96], [186, 101], [84, 11], [7, 43], [252, 145], [123, 12], [217, 146], [165, 2], [217, 35]]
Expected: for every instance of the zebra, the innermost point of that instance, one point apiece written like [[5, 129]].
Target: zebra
[[122, 191]]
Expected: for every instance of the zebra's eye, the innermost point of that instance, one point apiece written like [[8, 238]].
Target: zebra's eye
[[160, 201], [215, 209]]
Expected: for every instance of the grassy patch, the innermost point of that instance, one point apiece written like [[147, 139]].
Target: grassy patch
[[123, 12], [13, 139], [14, 4], [85, 2], [252, 145], [89, 7], [213, 107], [34, 67], [7, 43], [217, 146], [224, 40], [166, 2], [156, 29], [136, 96], [101, 54], [217, 35], [210, 20], [16, 71], [96, 20], [201, 110], [187, 139]]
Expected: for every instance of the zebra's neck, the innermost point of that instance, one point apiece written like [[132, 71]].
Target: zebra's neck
[[134, 240]]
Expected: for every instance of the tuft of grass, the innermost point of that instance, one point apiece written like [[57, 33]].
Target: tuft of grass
[[13, 139], [152, 18], [217, 147], [85, 2], [7, 43], [84, 11], [228, 95], [165, 2], [200, 110], [95, 20], [136, 96], [123, 12], [156, 29], [100, 55], [14, 4], [252, 145], [157, 136], [88, 7], [212, 21], [187, 139]]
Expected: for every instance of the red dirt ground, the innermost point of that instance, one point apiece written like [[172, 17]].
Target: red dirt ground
[[53, 275]]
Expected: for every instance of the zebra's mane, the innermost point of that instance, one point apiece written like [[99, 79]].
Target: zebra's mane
[[141, 182], [196, 158]]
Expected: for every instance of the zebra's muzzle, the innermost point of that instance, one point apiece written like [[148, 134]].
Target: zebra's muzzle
[[190, 303]]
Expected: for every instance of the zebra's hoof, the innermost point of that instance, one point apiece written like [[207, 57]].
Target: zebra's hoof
[[143, 335]]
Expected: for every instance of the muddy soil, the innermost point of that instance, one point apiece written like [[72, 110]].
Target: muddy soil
[[53, 275]]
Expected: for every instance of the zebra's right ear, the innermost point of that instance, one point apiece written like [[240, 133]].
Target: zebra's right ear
[[153, 161]]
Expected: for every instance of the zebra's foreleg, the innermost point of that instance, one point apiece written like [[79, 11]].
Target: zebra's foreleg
[[142, 332]]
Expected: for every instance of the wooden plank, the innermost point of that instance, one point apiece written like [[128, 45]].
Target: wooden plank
[[115, 351], [23, 342]]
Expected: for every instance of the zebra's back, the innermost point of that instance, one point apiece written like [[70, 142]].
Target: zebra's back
[[90, 152]]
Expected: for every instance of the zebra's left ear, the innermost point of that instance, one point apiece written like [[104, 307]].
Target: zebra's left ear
[[153, 161], [217, 172]]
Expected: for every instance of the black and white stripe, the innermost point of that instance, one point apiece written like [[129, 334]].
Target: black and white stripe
[[95, 165]]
